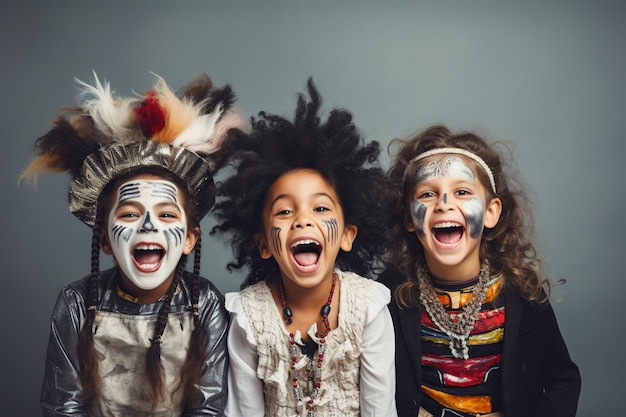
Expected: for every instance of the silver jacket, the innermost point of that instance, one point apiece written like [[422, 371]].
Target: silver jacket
[[61, 387]]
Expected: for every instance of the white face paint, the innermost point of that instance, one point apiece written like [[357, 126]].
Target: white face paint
[[452, 167], [147, 229]]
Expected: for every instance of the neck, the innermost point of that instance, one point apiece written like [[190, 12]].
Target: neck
[[307, 297], [141, 296], [300, 315], [453, 273]]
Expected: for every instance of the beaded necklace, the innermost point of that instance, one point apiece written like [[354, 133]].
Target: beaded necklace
[[314, 375], [456, 326]]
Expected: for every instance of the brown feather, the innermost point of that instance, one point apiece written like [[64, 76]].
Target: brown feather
[[198, 90]]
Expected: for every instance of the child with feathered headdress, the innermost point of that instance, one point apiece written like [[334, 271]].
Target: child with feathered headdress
[[146, 337]]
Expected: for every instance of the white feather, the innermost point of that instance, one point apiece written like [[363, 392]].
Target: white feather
[[198, 136], [112, 116]]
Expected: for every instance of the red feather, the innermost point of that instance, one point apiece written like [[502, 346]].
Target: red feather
[[151, 115]]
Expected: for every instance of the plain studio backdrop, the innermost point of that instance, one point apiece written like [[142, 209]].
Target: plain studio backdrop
[[547, 76]]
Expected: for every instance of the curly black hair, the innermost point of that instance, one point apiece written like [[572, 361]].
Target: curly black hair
[[276, 146]]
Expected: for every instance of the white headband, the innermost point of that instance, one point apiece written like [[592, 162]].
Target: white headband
[[458, 151]]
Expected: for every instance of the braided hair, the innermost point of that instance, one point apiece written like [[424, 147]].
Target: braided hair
[[192, 368], [109, 138], [335, 149]]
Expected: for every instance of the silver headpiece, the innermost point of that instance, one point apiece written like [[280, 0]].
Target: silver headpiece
[[108, 136], [457, 151]]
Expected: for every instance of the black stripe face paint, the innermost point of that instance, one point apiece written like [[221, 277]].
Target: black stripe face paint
[[147, 229], [276, 243], [474, 213], [418, 214], [120, 232], [176, 233], [332, 230]]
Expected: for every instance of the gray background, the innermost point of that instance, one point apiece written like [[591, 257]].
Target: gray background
[[546, 75]]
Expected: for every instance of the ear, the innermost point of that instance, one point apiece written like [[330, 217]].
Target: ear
[[261, 243], [408, 221], [349, 234], [105, 244], [190, 241], [492, 213]]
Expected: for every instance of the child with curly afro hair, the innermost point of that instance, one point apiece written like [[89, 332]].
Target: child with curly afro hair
[[303, 210]]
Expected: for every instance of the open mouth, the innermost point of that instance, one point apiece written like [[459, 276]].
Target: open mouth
[[448, 233], [148, 257], [306, 253]]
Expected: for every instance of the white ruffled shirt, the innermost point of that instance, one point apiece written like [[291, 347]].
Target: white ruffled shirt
[[358, 374]]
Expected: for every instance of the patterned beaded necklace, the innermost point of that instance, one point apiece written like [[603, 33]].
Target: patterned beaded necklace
[[457, 326], [314, 371]]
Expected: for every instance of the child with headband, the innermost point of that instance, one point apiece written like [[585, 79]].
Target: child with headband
[[309, 335], [146, 337], [475, 332]]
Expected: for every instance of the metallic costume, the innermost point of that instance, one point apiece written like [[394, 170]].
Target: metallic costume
[[122, 332], [106, 138]]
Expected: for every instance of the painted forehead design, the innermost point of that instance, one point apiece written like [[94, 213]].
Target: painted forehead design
[[158, 189], [452, 166], [454, 151]]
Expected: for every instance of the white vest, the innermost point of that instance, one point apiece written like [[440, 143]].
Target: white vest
[[339, 391]]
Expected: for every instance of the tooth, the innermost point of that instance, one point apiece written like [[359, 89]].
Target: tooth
[[304, 242], [447, 224], [148, 247]]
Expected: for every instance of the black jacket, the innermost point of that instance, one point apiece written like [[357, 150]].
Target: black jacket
[[538, 377]]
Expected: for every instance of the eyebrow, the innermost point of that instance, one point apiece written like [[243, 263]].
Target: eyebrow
[[456, 182], [165, 206], [290, 196]]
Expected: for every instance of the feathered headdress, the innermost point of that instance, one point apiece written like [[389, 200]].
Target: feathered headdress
[[107, 135]]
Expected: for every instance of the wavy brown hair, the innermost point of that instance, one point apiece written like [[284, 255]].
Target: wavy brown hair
[[508, 246]]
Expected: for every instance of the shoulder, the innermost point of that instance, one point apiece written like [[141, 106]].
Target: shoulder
[[207, 288], [355, 282], [210, 299], [252, 294], [79, 290], [530, 315], [233, 302], [364, 292]]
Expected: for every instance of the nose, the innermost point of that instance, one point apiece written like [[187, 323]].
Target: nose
[[443, 203], [302, 221], [147, 225]]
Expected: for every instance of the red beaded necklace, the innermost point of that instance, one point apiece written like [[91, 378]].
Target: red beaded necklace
[[315, 374]]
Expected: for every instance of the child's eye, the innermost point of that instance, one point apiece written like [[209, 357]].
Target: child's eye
[[284, 212], [128, 215], [427, 194], [463, 192], [168, 216], [321, 209]]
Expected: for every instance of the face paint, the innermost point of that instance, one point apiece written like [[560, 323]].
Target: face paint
[[276, 239], [332, 230], [452, 167], [418, 213], [474, 213], [449, 167], [147, 229]]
